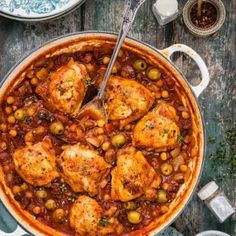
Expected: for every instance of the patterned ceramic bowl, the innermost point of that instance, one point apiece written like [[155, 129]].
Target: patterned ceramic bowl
[[203, 32], [34, 10]]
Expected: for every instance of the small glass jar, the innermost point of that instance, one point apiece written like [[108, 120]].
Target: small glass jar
[[165, 11], [216, 201]]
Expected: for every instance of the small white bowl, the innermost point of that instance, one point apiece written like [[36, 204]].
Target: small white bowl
[[212, 233]]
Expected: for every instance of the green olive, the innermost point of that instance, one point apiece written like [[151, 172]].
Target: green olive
[[153, 74], [58, 215], [118, 140], [134, 217], [50, 204], [57, 128], [130, 205], [161, 196], [166, 169], [20, 114], [140, 65], [41, 194]]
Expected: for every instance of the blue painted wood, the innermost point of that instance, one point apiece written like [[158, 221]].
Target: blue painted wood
[[218, 102]]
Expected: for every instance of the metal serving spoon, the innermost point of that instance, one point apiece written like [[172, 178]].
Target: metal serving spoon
[[96, 107]]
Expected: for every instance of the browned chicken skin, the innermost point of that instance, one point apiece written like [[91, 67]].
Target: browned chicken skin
[[36, 164], [86, 215], [127, 100], [133, 176], [65, 89], [158, 129], [83, 169]]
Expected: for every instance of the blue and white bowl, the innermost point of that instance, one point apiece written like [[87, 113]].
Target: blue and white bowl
[[37, 10]]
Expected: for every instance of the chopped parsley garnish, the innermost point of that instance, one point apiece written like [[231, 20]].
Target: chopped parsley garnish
[[180, 139], [89, 82], [149, 124], [104, 221], [63, 187]]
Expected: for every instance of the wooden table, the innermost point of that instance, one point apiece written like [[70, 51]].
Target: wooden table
[[217, 102]]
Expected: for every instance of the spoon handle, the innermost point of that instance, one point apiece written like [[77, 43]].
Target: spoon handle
[[131, 10]]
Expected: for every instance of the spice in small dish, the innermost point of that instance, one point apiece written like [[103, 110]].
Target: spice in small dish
[[208, 15]]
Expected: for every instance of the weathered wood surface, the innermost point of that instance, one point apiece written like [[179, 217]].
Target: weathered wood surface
[[218, 102]]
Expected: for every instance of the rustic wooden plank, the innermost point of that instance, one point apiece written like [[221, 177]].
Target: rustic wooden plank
[[18, 38], [218, 106], [218, 102], [107, 16]]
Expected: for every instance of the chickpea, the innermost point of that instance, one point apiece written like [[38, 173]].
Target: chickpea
[[10, 100], [14, 108], [16, 189], [3, 127], [42, 74], [165, 94], [20, 114], [24, 186], [163, 156], [114, 70], [164, 209], [121, 53], [57, 128], [185, 115], [3, 146], [29, 137], [159, 83], [11, 119], [130, 205], [28, 194], [36, 210], [134, 217], [41, 194], [101, 123], [166, 169], [13, 133], [8, 110], [183, 168], [140, 65], [39, 130], [162, 196], [31, 111], [118, 140], [106, 60], [58, 215], [30, 74], [153, 74], [165, 186], [106, 146], [50, 204], [34, 81]]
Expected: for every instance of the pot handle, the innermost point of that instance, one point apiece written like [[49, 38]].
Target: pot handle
[[19, 231], [198, 89]]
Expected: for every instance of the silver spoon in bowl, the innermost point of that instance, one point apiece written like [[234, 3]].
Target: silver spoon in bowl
[[96, 107]]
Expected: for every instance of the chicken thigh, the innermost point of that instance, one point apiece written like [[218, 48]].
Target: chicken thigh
[[133, 176], [157, 130], [127, 100], [86, 217], [83, 169], [65, 89], [36, 164]]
